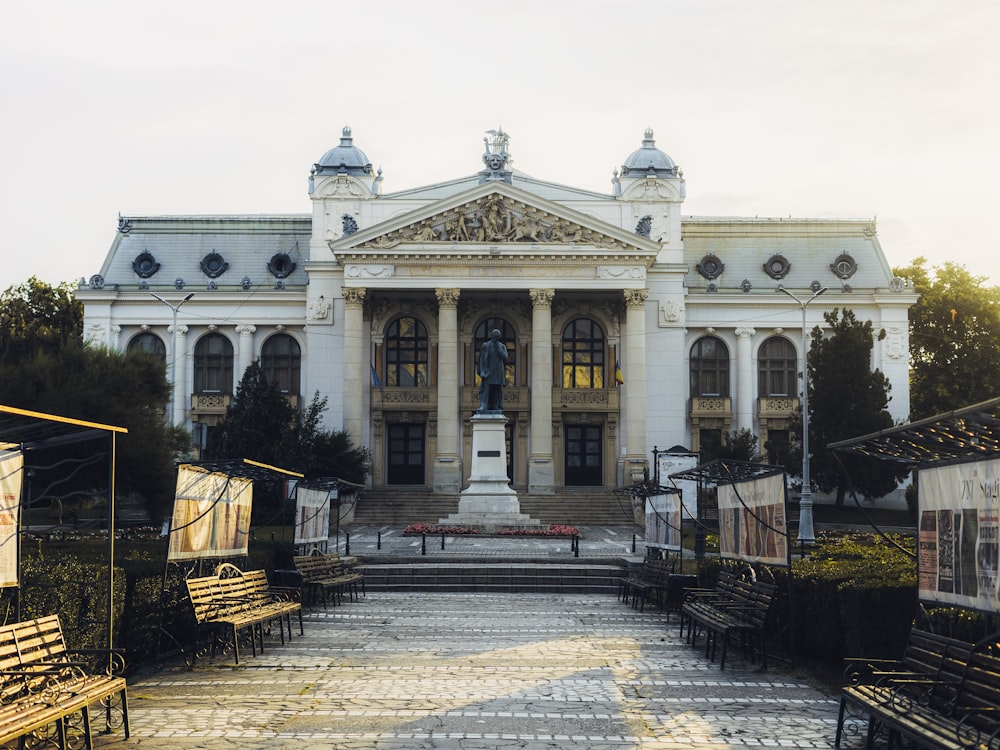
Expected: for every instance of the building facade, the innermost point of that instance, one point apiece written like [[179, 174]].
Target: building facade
[[628, 324]]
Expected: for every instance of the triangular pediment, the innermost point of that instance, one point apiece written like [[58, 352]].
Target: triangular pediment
[[491, 214]]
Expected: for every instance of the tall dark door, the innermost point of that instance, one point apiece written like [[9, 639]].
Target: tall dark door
[[583, 455], [406, 454]]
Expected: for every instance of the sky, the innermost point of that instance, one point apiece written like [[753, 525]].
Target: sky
[[853, 109]]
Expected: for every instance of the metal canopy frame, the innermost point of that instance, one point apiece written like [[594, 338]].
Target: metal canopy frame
[[25, 430], [727, 471], [966, 434]]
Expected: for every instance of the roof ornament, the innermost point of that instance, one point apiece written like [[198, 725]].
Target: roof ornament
[[496, 157]]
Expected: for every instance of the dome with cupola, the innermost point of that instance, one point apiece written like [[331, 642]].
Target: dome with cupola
[[649, 160], [345, 158]]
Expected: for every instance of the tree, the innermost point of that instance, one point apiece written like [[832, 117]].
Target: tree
[[740, 445], [847, 398], [35, 316], [954, 339]]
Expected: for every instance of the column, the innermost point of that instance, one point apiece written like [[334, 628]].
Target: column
[[246, 332], [354, 370], [634, 369], [744, 379], [182, 394], [541, 470], [447, 467]]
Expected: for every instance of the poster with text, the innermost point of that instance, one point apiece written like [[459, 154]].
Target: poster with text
[[957, 537], [663, 521], [752, 520], [211, 515], [11, 475], [312, 515], [672, 463]]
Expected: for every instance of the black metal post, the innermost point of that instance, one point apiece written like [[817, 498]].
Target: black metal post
[[633, 544], [576, 552], [347, 542], [423, 544], [442, 541], [378, 544]]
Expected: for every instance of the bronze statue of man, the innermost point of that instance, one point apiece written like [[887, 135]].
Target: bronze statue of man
[[493, 373]]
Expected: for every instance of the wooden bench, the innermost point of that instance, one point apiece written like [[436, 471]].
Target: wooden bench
[[232, 601], [323, 575], [943, 693], [735, 607], [647, 582], [44, 684]]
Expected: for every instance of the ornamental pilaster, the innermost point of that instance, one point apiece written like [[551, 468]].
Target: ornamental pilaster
[[354, 370], [541, 470], [744, 378], [246, 332], [447, 468], [634, 387]]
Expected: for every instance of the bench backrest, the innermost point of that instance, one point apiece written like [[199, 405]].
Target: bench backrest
[[32, 645], [316, 567], [978, 697]]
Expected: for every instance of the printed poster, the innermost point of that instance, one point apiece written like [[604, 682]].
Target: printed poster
[[11, 475], [312, 515], [674, 463], [753, 521], [663, 521], [957, 554], [211, 515]]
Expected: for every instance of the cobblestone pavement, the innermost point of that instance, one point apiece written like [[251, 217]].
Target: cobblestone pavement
[[476, 671]]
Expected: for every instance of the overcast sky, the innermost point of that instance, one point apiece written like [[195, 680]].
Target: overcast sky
[[854, 108]]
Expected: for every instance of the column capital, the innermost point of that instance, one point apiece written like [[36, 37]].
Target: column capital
[[542, 298], [181, 329], [635, 298], [354, 296], [246, 329], [745, 332], [447, 298]]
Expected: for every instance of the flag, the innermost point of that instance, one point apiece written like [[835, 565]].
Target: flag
[[619, 378], [375, 379]]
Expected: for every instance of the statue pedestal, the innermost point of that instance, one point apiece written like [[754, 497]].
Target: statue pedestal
[[489, 501]]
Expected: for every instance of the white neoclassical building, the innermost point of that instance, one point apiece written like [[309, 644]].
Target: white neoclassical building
[[380, 302]]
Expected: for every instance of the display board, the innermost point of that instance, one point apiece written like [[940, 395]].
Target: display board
[[312, 514], [663, 521], [958, 535], [11, 477], [211, 515], [672, 463], [753, 521]]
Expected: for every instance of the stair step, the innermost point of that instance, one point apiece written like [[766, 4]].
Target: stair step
[[511, 577]]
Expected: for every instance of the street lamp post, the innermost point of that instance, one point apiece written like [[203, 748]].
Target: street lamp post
[[175, 412], [806, 533]]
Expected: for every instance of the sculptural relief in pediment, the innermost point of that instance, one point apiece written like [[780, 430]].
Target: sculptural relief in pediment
[[494, 218]]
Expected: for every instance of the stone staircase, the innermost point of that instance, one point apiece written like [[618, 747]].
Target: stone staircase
[[505, 576], [406, 505]]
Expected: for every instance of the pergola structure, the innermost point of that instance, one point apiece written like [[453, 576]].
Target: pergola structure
[[22, 430]]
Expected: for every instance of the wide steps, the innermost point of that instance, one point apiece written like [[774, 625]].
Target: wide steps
[[494, 577]]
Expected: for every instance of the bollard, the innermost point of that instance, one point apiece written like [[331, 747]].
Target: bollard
[[347, 542], [576, 552], [442, 542], [423, 544], [633, 544], [378, 544]]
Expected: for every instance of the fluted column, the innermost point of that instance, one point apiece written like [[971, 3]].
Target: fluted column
[[182, 395], [354, 370], [246, 332], [744, 379], [541, 470], [447, 467], [634, 388]]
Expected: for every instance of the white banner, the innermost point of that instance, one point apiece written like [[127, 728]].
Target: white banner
[[663, 521], [752, 521], [671, 463], [958, 535], [11, 476], [312, 515], [211, 515]]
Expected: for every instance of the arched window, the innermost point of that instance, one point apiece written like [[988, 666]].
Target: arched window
[[507, 336], [406, 353], [213, 364], [583, 354], [281, 361], [709, 368], [149, 343], [776, 368]]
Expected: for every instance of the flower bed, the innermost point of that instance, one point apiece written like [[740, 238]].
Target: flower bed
[[548, 531]]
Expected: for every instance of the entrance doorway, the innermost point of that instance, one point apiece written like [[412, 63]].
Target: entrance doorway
[[583, 455], [406, 454]]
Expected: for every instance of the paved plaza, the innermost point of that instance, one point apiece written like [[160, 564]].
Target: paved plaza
[[471, 671]]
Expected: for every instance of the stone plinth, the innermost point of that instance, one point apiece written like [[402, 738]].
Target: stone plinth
[[489, 501]]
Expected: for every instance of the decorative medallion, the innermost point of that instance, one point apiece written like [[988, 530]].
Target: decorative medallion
[[645, 226], [246, 283], [777, 266], [746, 286], [710, 266], [97, 281], [281, 265], [214, 265], [844, 266], [349, 224], [145, 265]]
